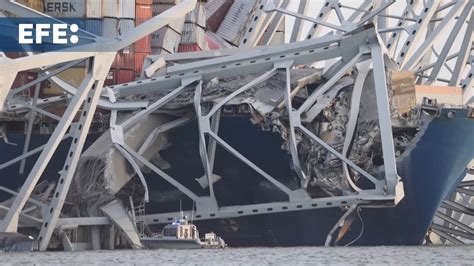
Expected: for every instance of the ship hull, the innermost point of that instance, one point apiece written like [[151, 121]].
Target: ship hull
[[430, 170]]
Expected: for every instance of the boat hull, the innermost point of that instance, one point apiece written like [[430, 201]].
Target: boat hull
[[172, 243]]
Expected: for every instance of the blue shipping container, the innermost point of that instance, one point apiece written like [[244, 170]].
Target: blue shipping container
[[93, 26]]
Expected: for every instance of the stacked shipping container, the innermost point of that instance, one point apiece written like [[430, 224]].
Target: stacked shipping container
[[166, 39], [119, 18], [89, 13], [37, 5], [25, 77], [111, 18], [231, 28], [193, 34], [216, 11], [143, 12]]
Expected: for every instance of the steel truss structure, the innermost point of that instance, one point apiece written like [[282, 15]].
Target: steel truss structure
[[361, 43], [411, 38], [87, 95], [454, 219], [452, 213]]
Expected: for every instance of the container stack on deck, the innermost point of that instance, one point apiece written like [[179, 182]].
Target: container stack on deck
[[215, 12], [89, 13], [143, 12], [115, 17], [166, 40], [37, 5], [232, 27], [24, 77], [193, 34], [119, 18]]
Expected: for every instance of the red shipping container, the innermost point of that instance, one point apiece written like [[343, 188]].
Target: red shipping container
[[125, 59], [124, 76], [142, 13], [144, 2], [110, 79], [183, 48], [19, 81], [143, 45], [23, 78], [139, 59], [213, 45]]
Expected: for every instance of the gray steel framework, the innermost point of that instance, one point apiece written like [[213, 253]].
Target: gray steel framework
[[354, 44], [268, 62], [414, 35], [87, 96], [454, 218]]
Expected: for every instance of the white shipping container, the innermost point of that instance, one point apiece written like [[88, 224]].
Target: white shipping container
[[211, 7], [188, 35], [176, 25], [128, 9], [65, 9], [193, 34], [201, 38], [125, 25], [197, 15], [166, 38], [234, 22], [94, 8], [73, 8], [112, 9], [215, 12], [216, 41], [109, 27]]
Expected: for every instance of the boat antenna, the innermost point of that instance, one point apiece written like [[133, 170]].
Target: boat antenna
[[180, 210], [192, 213]]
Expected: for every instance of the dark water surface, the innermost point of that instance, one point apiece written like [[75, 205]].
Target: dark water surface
[[457, 255]]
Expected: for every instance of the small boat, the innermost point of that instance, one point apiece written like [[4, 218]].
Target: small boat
[[182, 235], [211, 240]]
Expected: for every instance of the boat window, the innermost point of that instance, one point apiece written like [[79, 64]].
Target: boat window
[[173, 232], [169, 232]]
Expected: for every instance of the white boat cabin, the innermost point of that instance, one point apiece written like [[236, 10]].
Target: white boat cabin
[[180, 230]]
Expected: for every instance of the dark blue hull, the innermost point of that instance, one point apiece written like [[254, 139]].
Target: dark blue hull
[[431, 170], [10, 177]]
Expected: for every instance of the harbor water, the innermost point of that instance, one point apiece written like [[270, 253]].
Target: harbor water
[[400, 255]]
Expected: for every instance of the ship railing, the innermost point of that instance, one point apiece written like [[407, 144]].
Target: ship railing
[[139, 212]]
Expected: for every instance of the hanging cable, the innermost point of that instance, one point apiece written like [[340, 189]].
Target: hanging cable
[[361, 231]]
